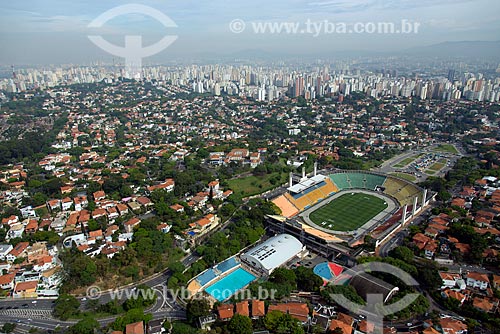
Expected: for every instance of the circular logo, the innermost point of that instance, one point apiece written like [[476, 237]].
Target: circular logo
[[237, 26]]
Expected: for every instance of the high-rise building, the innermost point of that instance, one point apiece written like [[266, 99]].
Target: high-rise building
[[451, 75]]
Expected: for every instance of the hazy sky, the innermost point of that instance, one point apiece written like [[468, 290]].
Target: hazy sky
[[55, 31]]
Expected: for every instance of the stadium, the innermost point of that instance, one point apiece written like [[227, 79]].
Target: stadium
[[344, 206]]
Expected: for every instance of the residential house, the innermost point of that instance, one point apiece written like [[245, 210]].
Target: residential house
[[168, 185], [299, 311], [7, 281], [44, 263], [483, 304], [53, 205], [18, 251], [66, 203], [449, 279], [4, 250], [16, 231], [164, 227], [452, 326], [99, 196], [80, 202], [345, 327], [31, 227], [134, 206], [135, 328], [430, 248], [258, 308], [145, 202], [242, 308], [10, 220], [496, 281], [122, 209], [225, 311], [131, 223], [177, 208], [448, 293], [25, 289], [477, 280]]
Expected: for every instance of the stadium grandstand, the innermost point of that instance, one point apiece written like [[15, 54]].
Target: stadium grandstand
[[305, 194], [319, 207], [357, 180], [309, 191], [401, 190]]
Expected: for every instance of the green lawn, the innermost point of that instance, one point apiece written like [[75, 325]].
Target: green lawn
[[348, 212], [437, 166], [446, 148], [253, 185], [405, 176], [405, 162]]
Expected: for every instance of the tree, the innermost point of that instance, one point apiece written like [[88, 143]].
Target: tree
[[307, 280], [177, 267], [402, 253], [8, 327], [66, 306], [80, 270], [346, 290], [133, 315], [87, 325], [278, 322], [284, 276], [182, 328], [429, 276], [240, 324], [197, 308]]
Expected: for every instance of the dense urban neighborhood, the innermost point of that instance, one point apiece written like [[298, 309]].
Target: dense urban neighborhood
[[243, 199]]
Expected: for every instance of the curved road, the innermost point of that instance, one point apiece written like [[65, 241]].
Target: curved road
[[37, 313]]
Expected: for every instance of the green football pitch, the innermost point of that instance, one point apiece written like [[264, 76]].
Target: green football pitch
[[348, 212]]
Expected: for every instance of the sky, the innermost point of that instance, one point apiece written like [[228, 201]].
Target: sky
[[56, 31]]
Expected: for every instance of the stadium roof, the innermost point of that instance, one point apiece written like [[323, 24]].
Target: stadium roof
[[307, 183], [273, 252]]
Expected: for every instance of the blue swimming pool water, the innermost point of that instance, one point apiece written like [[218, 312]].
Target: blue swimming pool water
[[323, 271], [229, 285]]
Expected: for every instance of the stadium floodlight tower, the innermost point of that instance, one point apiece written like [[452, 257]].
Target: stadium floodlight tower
[[315, 168], [414, 209], [303, 174], [290, 182], [403, 215]]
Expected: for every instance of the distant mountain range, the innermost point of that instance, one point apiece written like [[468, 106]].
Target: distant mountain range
[[466, 49], [486, 50]]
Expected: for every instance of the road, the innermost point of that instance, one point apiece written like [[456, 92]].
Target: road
[[398, 238], [24, 324], [37, 313]]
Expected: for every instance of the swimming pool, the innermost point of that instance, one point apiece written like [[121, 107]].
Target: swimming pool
[[229, 285]]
